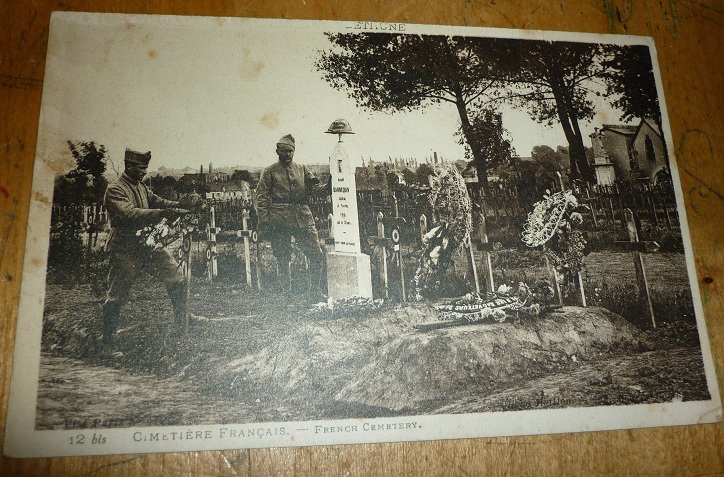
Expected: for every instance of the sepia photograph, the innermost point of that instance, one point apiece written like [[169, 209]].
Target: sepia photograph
[[259, 233]]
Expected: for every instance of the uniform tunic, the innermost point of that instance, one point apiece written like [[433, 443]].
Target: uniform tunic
[[283, 211], [131, 205]]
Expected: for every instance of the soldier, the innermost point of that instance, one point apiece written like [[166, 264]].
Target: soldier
[[132, 206], [281, 201]]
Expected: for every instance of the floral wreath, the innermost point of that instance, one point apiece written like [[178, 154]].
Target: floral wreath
[[554, 223]]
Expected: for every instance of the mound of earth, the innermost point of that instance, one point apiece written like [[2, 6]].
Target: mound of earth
[[380, 361], [270, 350]]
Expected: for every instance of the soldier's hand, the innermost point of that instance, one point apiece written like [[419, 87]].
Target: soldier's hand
[[173, 212]]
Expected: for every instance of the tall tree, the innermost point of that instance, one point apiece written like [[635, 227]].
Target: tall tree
[[555, 81], [391, 72]]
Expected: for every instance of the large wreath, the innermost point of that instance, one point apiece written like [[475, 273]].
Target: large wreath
[[555, 224], [452, 223]]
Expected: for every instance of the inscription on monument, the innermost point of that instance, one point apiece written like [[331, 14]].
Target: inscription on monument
[[344, 203]]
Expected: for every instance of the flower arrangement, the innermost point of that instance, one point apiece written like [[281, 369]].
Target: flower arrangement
[[555, 224], [526, 301], [474, 307], [344, 307], [164, 232], [452, 216]]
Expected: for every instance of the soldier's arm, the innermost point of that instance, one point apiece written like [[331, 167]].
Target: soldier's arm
[[263, 199], [158, 202], [314, 185], [124, 213]]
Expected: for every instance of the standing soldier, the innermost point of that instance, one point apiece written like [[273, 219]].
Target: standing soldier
[[282, 194], [132, 206]]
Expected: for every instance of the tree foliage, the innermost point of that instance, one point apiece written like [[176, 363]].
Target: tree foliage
[[393, 72], [486, 126], [423, 173], [555, 82], [85, 184], [165, 186], [241, 175], [546, 159], [630, 79]]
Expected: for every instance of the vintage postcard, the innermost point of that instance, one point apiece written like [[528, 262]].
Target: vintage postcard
[[252, 233]]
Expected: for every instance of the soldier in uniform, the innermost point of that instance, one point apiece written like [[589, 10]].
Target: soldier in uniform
[[132, 206], [283, 213]]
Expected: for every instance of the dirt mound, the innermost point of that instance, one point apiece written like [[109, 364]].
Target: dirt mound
[[272, 351], [381, 361], [317, 357]]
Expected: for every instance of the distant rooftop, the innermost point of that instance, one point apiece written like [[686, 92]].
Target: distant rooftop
[[621, 129]]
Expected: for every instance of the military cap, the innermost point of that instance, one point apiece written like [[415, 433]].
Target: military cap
[[288, 140], [138, 157]]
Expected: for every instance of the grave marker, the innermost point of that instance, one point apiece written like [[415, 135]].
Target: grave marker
[[348, 269]]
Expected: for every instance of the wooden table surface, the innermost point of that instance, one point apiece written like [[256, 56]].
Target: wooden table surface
[[688, 35]]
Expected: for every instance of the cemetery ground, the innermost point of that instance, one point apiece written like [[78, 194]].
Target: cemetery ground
[[259, 356]]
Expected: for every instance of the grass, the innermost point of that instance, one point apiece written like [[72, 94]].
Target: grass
[[610, 282], [609, 277]]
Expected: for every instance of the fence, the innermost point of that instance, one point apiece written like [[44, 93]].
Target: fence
[[81, 216], [501, 206], [606, 209], [605, 205]]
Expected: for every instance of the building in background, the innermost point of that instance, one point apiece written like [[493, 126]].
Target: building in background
[[629, 154]]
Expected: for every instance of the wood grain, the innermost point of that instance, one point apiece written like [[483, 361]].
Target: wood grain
[[688, 35]]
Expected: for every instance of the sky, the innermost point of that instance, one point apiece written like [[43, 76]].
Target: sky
[[200, 91]]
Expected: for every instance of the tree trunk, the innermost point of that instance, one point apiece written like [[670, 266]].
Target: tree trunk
[[479, 160], [577, 153], [567, 117]]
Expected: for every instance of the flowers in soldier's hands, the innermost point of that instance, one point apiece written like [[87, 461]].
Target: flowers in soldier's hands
[[164, 232]]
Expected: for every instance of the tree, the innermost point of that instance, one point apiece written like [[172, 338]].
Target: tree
[[555, 82], [241, 175], [630, 79], [408, 176], [85, 184], [165, 186], [548, 164], [423, 173], [486, 126], [390, 72], [550, 160]]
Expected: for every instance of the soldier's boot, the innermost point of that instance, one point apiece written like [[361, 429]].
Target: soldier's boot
[[111, 317], [284, 277], [318, 281], [177, 294]]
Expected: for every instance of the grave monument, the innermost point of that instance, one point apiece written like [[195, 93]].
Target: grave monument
[[348, 269]]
